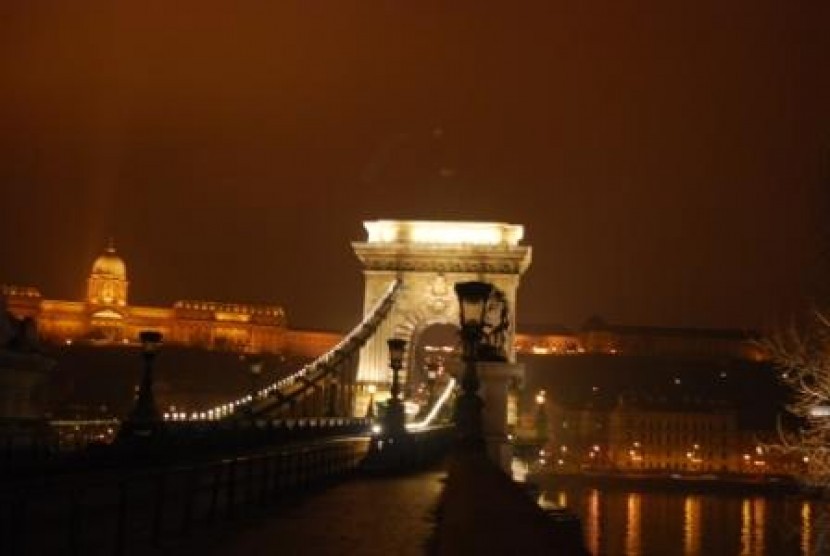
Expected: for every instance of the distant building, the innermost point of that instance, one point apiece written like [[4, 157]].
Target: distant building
[[646, 433], [105, 315], [656, 433], [553, 340], [599, 337]]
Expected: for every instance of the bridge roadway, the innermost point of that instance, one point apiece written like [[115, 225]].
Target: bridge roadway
[[463, 505], [369, 515]]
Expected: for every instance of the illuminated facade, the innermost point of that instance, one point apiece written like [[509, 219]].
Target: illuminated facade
[[652, 433], [598, 337], [548, 342], [105, 316], [647, 433]]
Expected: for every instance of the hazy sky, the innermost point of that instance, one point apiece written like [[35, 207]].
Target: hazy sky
[[671, 164]]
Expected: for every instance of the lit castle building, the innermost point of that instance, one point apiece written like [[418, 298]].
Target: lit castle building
[[106, 317]]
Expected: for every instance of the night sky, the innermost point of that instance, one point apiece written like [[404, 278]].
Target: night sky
[[671, 164]]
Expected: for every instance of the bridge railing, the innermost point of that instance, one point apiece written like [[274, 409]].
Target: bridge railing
[[183, 441], [232, 436], [115, 512]]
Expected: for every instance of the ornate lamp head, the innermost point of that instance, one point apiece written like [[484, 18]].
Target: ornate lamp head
[[472, 298], [397, 347]]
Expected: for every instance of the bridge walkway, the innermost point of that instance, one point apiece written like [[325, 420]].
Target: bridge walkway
[[464, 506], [364, 516]]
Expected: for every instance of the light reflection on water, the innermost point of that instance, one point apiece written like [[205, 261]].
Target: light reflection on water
[[746, 531], [591, 521], [632, 525], [619, 522], [691, 525], [806, 528]]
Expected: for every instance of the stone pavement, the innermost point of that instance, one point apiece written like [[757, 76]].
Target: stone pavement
[[365, 515]]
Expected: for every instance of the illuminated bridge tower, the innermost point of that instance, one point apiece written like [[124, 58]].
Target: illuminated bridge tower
[[429, 258]]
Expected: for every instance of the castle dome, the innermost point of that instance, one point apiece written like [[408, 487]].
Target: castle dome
[[107, 284], [109, 265]]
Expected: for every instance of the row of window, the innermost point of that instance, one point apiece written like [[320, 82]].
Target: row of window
[[674, 439], [677, 425]]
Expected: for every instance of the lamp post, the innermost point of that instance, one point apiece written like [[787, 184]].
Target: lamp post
[[472, 299], [394, 422], [254, 370], [145, 420], [432, 376], [541, 418], [370, 409]]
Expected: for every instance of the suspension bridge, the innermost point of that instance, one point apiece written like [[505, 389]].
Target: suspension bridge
[[310, 426], [410, 269]]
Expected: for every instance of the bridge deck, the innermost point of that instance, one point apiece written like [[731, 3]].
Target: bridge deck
[[372, 515], [481, 512]]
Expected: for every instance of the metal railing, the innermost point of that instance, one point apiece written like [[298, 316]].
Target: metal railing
[[122, 512]]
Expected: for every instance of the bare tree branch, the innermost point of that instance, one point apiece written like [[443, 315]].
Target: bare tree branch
[[803, 359]]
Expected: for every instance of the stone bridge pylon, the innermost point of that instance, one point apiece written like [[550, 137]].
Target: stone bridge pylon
[[429, 258]]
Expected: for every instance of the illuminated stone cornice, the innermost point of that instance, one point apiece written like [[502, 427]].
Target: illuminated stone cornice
[[472, 247], [431, 232], [443, 258]]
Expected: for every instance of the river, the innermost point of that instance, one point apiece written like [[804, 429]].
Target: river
[[624, 521]]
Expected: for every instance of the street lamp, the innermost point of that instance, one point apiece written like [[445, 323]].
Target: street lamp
[[472, 300], [394, 422], [541, 417], [432, 376], [254, 370], [370, 409], [144, 420]]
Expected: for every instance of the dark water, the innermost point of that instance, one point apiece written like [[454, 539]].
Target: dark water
[[625, 522]]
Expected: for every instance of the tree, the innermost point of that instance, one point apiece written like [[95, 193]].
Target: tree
[[802, 356]]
